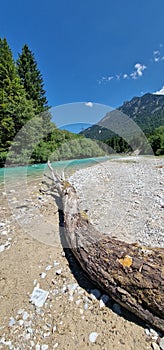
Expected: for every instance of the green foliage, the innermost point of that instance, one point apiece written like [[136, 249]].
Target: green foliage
[[157, 141], [31, 79], [77, 149], [15, 109]]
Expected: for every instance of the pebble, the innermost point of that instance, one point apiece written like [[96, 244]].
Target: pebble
[[12, 321], [25, 315], [43, 275], [161, 343], [48, 267], [93, 336], [147, 332], [2, 224], [155, 346], [103, 300], [2, 248], [58, 272]]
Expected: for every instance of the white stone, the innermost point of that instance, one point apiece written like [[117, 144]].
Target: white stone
[[44, 347], [48, 267], [4, 233], [12, 321], [2, 248], [25, 315], [93, 336], [103, 300], [85, 306], [58, 272], [155, 346], [55, 345], [161, 343], [43, 275], [55, 263], [20, 322], [54, 329], [2, 224], [147, 332], [37, 347]]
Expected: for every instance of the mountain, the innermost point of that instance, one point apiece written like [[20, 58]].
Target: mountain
[[141, 114]]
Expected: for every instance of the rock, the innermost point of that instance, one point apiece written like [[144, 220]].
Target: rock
[[25, 315], [54, 329], [12, 321], [103, 300], [155, 346], [95, 294], [55, 263], [161, 343], [48, 267], [43, 275], [2, 248], [58, 272], [2, 224], [147, 332], [37, 347], [93, 336], [154, 334], [117, 309], [44, 347], [72, 287]]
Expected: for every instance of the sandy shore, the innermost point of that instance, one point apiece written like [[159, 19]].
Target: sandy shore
[[71, 318]]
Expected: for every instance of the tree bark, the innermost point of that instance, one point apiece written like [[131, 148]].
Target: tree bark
[[131, 274]]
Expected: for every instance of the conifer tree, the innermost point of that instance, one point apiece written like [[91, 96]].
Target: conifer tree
[[32, 79], [15, 109]]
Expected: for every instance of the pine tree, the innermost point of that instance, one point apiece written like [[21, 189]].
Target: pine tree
[[32, 79], [15, 109]]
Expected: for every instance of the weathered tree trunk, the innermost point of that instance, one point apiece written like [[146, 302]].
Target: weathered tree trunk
[[131, 274]]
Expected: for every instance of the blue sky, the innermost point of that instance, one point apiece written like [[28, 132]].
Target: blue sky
[[92, 50]]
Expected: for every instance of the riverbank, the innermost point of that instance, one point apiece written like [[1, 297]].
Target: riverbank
[[124, 198]]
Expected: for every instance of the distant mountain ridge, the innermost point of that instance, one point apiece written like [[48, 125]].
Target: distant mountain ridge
[[146, 111]]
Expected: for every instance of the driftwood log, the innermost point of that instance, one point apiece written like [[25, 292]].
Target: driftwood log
[[131, 274]]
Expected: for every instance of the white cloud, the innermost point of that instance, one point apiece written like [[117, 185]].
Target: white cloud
[[156, 59], [125, 76], [138, 72], [110, 78], [157, 56], [156, 52], [89, 104], [104, 80], [160, 92]]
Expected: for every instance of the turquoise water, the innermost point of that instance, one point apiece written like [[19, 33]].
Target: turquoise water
[[37, 170]]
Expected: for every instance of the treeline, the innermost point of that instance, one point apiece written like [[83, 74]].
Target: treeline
[[27, 134], [145, 144]]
